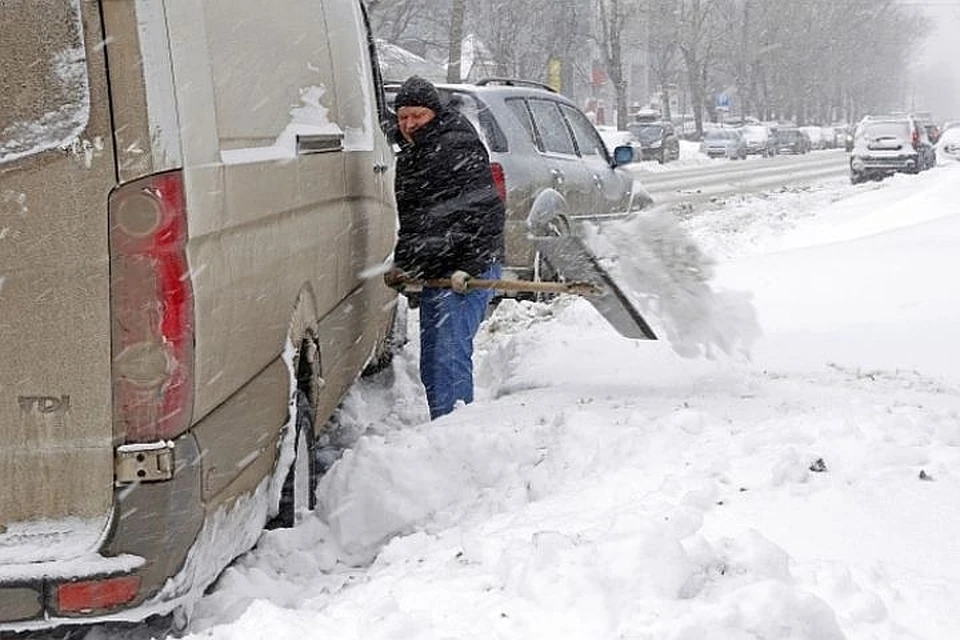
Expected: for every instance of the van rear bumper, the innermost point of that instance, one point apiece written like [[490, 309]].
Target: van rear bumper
[[154, 526], [29, 593]]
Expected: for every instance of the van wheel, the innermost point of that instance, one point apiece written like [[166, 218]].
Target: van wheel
[[299, 488], [393, 343]]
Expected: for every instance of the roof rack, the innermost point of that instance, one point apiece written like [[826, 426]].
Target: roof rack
[[515, 82]]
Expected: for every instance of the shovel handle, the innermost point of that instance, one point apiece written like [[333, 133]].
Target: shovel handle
[[575, 288]]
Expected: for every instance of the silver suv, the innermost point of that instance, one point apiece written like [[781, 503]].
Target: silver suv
[[883, 145], [548, 161]]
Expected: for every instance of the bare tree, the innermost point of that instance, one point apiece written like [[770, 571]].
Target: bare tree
[[663, 35], [400, 21], [616, 18], [698, 38], [454, 71]]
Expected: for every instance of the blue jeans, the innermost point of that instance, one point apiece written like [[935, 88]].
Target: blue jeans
[[448, 323]]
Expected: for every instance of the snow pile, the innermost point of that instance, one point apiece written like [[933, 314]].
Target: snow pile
[[602, 488]]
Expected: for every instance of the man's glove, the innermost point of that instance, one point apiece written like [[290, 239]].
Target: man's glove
[[460, 281], [395, 278]]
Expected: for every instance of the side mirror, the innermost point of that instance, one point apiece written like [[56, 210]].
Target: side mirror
[[622, 155]]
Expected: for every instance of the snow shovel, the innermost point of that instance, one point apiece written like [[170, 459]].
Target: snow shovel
[[592, 282]]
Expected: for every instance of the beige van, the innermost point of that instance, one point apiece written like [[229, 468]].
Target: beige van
[[192, 195]]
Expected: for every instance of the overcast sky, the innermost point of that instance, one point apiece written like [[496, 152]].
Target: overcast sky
[[940, 61]]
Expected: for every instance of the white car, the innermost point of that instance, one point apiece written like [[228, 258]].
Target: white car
[[759, 140], [816, 136], [948, 146], [723, 143]]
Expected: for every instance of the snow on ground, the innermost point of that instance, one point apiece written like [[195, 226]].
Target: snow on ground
[[602, 488]]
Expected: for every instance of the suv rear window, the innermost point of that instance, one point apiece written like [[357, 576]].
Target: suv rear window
[[553, 130], [874, 130], [646, 132], [44, 89], [519, 108], [480, 117]]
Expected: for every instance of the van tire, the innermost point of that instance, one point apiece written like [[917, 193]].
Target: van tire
[[395, 341], [300, 486]]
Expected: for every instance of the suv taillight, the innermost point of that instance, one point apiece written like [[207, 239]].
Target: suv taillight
[[916, 140], [151, 310], [499, 180]]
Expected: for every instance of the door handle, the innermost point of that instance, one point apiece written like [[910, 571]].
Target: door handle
[[319, 143]]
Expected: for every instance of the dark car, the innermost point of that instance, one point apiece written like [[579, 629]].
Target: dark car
[[930, 127], [548, 160], [791, 140], [886, 145], [933, 132], [658, 140]]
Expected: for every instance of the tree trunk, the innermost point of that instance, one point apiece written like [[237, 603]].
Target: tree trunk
[[454, 62]]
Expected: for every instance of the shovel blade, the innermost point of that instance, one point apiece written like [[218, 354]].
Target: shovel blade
[[569, 256]]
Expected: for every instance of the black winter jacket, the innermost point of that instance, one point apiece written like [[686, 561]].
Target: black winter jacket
[[451, 216]]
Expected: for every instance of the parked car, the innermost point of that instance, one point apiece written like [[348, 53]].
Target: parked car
[[658, 140], [925, 119], [185, 287], [791, 140], [548, 160], [829, 136], [887, 145], [815, 135], [844, 137], [724, 143], [760, 140], [613, 138], [932, 130], [948, 147]]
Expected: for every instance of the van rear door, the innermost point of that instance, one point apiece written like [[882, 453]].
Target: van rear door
[[56, 170]]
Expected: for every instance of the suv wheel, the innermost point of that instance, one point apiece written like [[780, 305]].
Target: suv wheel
[[543, 271]]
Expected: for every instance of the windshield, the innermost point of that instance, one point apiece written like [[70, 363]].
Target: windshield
[[715, 135], [647, 132], [44, 98]]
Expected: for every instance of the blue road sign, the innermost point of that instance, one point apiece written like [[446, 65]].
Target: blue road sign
[[722, 101]]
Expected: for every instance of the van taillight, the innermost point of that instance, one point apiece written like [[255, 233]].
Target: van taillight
[[499, 180], [151, 310], [96, 595]]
